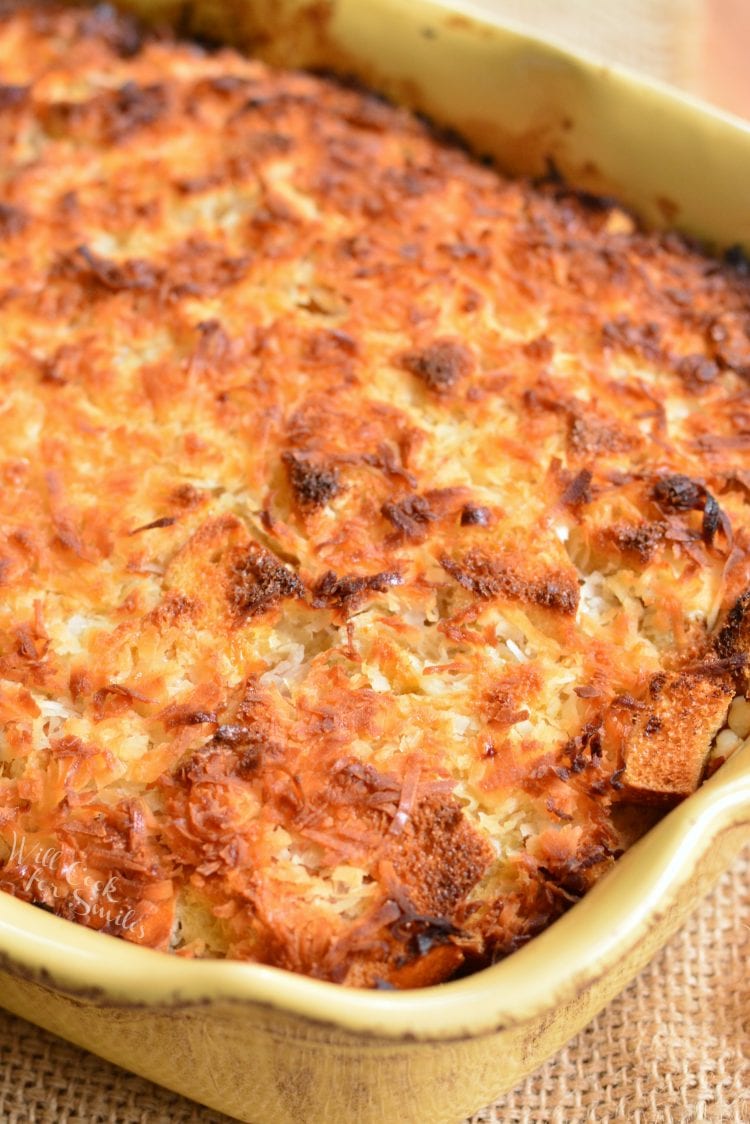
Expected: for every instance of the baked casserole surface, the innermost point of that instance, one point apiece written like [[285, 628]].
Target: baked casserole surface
[[373, 528]]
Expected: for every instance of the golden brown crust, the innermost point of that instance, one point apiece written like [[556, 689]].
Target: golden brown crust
[[353, 500]]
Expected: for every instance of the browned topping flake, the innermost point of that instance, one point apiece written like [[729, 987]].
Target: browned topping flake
[[590, 437], [12, 96], [13, 221], [697, 371], [83, 265], [489, 577], [174, 607], [314, 484], [642, 541], [440, 366], [195, 268], [578, 491], [680, 493], [540, 349], [410, 516], [133, 107], [474, 515], [155, 524], [120, 32], [501, 706], [188, 496], [346, 592], [587, 691], [733, 638], [643, 339], [258, 580], [110, 117]]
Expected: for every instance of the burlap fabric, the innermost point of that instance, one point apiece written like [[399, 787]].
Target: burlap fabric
[[675, 1047]]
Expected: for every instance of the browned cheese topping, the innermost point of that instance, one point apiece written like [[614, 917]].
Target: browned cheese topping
[[374, 529]]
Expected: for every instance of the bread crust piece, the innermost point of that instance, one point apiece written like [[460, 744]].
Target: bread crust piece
[[668, 746], [355, 502]]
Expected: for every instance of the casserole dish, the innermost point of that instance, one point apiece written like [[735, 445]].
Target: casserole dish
[[442, 1016]]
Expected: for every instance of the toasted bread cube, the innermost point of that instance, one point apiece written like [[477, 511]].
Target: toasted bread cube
[[669, 744]]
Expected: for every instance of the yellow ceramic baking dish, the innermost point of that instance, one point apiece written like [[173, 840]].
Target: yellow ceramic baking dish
[[262, 1044]]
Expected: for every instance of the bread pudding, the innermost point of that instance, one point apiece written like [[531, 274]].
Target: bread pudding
[[374, 528]]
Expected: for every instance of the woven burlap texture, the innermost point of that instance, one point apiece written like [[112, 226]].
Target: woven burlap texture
[[675, 1047]]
